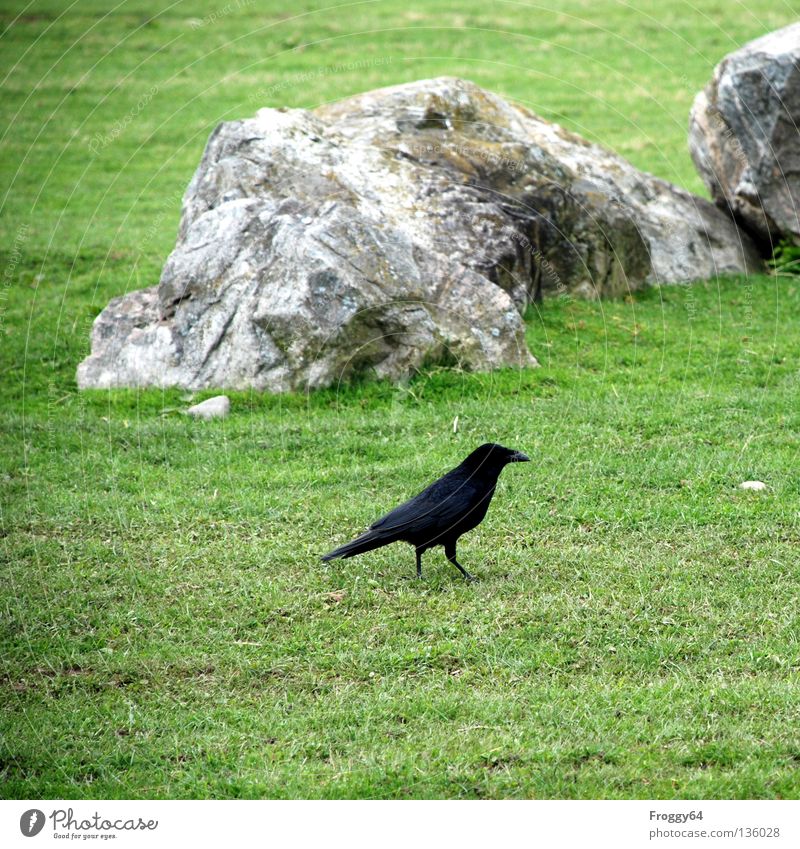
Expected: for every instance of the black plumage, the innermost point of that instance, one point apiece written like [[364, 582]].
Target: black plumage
[[441, 513]]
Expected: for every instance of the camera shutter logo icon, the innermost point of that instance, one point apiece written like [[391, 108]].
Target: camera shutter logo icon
[[31, 822]]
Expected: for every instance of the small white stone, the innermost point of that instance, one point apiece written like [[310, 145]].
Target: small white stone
[[213, 408], [307, 220], [757, 485]]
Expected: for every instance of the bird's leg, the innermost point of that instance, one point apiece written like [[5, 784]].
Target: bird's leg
[[450, 554], [419, 563]]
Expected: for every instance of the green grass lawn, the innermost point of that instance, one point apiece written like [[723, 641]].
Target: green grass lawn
[[166, 626]]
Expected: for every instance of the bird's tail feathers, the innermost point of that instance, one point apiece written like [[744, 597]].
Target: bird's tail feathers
[[366, 542]]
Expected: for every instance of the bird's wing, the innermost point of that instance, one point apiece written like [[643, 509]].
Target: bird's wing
[[443, 503]]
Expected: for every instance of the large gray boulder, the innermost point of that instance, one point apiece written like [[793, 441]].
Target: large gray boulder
[[401, 226], [744, 137]]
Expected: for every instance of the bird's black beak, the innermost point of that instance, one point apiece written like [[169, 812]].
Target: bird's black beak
[[519, 457]]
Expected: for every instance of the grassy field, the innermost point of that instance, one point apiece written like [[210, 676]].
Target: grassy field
[[166, 626]]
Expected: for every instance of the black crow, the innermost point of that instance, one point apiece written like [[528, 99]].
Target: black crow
[[440, 514]]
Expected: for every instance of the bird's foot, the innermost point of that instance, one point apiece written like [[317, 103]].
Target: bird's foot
[[471, 579]]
